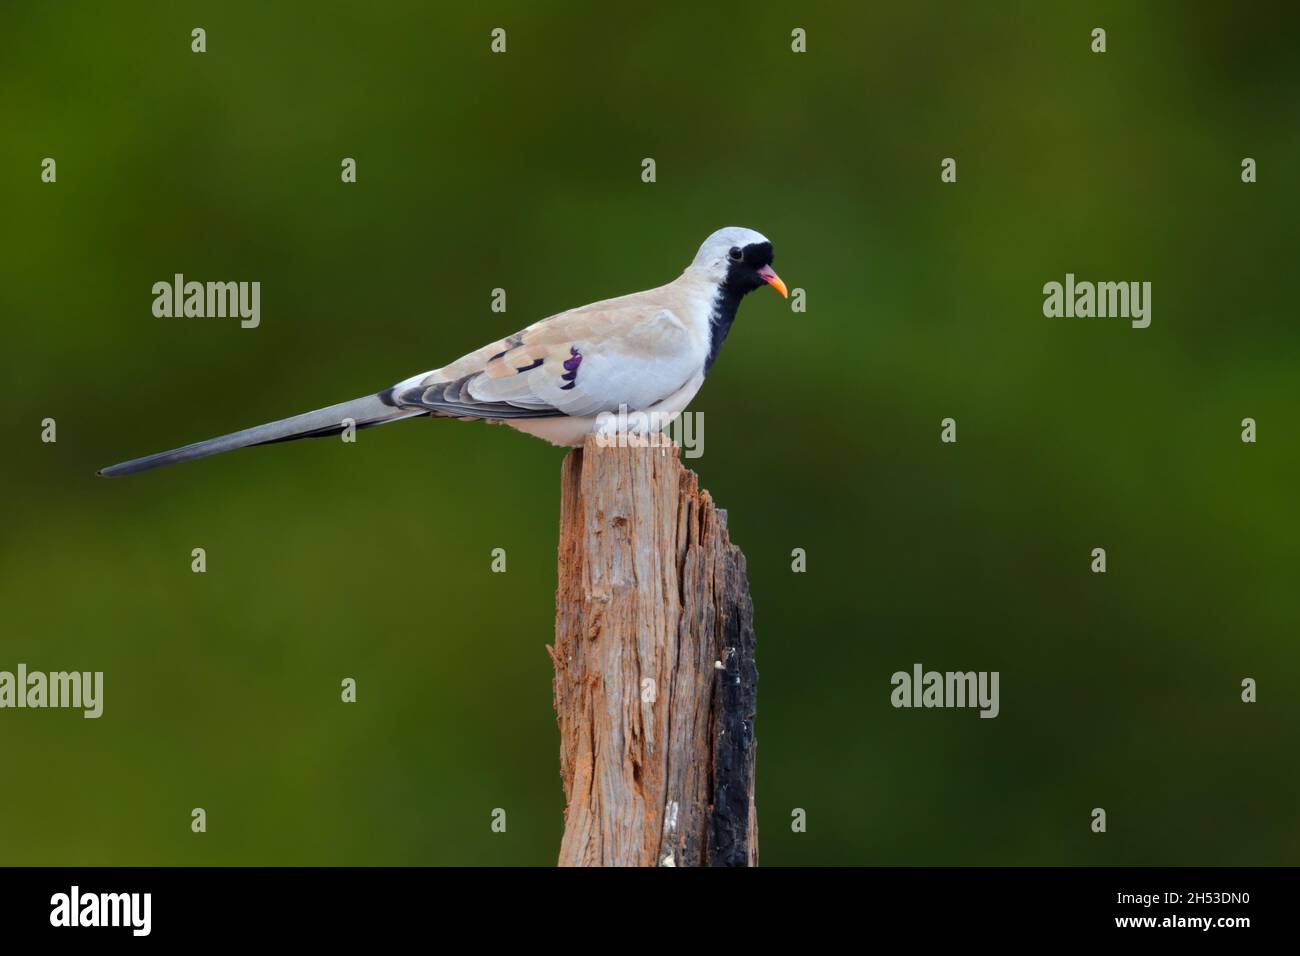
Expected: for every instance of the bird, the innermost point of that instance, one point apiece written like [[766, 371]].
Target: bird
[[647, 352]]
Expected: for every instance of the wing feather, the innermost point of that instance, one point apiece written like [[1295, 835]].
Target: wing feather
[[631, 351]]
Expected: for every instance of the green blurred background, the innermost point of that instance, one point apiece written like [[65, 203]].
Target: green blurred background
[[822, 430]]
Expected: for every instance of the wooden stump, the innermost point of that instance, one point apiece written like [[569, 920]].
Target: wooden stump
[[654, 667]]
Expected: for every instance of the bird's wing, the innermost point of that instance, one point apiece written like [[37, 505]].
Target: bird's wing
[[631, 351]]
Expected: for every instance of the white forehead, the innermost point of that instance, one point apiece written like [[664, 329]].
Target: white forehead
[[722, 240]]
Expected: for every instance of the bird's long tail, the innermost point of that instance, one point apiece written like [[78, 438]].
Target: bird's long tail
[[363, 412]]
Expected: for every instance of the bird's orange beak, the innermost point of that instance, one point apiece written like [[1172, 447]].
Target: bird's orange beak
[[774, 280]]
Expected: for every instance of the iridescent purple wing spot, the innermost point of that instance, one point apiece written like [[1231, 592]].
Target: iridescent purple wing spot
[[571, 368]]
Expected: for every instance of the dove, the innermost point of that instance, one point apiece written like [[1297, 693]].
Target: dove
[[642, 355]]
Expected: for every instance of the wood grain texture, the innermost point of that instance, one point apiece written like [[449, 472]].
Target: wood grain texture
[[654, 667]]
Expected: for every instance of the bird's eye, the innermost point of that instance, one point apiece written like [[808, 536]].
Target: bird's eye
[[735, 254]]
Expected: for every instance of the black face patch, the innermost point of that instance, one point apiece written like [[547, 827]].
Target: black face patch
[[742, 276], [758, 254], [742, 279]]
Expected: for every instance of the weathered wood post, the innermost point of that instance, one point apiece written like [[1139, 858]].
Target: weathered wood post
[[654, 667]]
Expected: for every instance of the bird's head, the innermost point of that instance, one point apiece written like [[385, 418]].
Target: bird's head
[[739, 259]]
